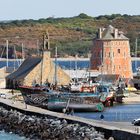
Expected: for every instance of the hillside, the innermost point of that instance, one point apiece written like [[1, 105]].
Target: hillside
[[72, 35]]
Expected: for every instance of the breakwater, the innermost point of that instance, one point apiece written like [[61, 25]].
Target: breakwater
[[79, 127], [42, 128]]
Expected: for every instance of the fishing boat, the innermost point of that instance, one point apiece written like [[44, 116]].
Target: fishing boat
[[83, 102], [57, 101]]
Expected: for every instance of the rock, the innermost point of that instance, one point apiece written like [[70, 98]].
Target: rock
[[111, 138], [56, 122], [42, 128], [21, 119]]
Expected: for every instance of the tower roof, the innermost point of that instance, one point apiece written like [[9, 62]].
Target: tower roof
[[111, 33]]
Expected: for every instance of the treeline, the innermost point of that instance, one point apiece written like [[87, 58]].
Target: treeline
[[72, 35]]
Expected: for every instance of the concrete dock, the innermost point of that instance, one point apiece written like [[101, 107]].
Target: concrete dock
[[115, 129]]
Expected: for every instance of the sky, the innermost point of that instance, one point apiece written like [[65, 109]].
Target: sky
[[36, 9]]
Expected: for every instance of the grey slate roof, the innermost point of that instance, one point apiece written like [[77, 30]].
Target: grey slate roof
[[108, 78], [25, 68], [108, 33]]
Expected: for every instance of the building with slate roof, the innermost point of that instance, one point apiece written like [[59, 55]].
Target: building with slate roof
[[37, 70], [110, 53]]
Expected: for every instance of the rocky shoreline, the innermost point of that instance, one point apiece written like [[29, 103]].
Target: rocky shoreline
[[44, 128]]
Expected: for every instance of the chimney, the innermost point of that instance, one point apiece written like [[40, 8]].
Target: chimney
[[100, 33], [115, 33]]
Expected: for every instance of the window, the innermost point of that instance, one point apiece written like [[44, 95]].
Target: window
[[119, 51], [109, 54]]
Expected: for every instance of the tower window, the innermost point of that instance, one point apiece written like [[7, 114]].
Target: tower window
[[109, 54], [119, 51]]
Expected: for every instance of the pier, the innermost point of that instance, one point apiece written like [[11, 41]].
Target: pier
[[117, 130]]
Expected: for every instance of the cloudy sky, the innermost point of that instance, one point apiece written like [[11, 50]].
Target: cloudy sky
[[36, 9]]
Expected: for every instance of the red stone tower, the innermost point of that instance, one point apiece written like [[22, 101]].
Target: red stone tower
[[110, 53]]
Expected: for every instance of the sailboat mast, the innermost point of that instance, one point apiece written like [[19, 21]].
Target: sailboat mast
[[101, 64], [42, 55], [23, 57], [55, 78], [136, 47], [7, 53], [76, 68], [14, 57]]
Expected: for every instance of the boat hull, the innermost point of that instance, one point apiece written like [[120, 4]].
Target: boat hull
[[78, 101], [96, 107], [35, 96]]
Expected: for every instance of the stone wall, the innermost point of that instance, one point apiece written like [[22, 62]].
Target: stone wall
[[114, 57], [46, 70]]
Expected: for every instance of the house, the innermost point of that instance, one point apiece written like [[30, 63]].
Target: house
[[37, 70]]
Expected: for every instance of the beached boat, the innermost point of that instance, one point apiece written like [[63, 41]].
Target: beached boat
[[55, 100], [83, 102]]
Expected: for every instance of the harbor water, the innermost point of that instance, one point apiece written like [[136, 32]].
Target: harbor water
[[67, 64], [9, 136], [117, 113]]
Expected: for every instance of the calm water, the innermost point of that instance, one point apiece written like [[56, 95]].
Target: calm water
[[117, 113], [67, 64]]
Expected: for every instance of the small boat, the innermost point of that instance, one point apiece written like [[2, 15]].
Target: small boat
[[82, 86]]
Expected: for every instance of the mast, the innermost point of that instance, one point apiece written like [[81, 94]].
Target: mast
[[23, 57], [7, 53], [136, 47], [14, 57], [42, 56], [55, 76], [37, 44], [76, 68], [101, 64], [22, 52]]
